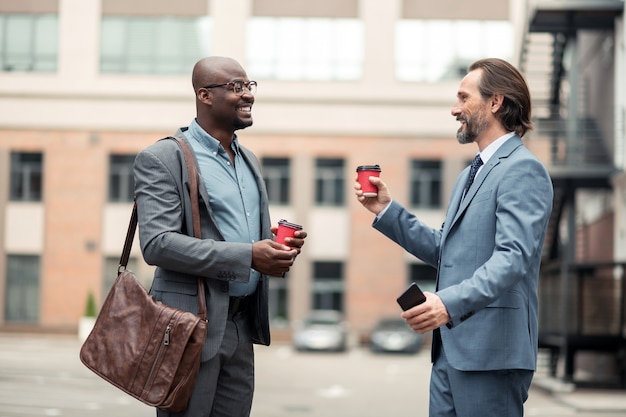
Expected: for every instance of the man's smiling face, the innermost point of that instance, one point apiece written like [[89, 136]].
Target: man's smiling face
[[471, 109], [232, 108]]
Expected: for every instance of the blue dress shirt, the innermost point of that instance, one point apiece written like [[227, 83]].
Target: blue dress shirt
[[233, 195]]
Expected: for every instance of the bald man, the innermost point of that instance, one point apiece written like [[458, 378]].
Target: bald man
[[237, 252]]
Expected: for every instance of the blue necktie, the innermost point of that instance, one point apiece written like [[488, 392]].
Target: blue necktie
[[476, 163]]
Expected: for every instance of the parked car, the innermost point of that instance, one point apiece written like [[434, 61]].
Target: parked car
[[394, 335], [323, 330]]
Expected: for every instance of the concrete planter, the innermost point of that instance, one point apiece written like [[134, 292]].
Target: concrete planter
[[85, 324]]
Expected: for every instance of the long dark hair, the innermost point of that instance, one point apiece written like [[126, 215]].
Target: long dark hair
[[500, 77]]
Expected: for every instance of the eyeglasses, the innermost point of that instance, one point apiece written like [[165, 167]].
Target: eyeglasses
[[238, 86]]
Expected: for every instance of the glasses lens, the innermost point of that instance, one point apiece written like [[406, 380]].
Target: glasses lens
[[238, 87]]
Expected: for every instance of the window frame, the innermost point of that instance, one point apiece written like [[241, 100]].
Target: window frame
[[27, 177], [305, 48], [435, 50], [121, 180], [154, 45], [427, 177], [23, 289], [38, 41], [330, 182], [276, 174], [328, 286]]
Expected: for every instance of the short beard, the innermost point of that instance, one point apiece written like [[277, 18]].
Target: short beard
[[465, 137], [473, 128]]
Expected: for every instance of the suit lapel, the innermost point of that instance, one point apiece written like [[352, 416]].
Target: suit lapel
[[502, 153]]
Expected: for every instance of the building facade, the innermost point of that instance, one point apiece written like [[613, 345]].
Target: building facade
[[573, 54], [86, 84]]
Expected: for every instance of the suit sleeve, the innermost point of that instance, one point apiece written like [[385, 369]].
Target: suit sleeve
[[404, 228], [523, 202], [162, 205]]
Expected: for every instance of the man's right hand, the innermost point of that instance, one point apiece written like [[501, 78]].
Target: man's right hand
[[271, 258], [374, 204]]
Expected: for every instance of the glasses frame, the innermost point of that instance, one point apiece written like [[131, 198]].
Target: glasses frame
[[251, 86]]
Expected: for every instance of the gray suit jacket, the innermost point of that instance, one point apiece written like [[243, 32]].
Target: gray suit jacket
[[165, 230], [487, 254]]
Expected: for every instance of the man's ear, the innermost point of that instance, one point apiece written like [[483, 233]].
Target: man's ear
[[204, 95], [496, 102]]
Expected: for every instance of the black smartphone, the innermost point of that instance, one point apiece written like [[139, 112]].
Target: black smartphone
[[411, 297]]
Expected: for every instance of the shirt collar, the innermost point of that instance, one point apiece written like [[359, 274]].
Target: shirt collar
[[490, 150], [202, 136]]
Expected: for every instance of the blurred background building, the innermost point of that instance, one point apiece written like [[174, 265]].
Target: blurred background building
[[86, 84], [573, 54]]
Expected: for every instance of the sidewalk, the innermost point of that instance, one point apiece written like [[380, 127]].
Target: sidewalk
[[41, 375], [583, 399]]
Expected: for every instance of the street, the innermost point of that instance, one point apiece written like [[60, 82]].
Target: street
[[42, 376]]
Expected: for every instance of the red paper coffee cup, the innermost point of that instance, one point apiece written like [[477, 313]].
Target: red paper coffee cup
[[364, 172], [286, 229]]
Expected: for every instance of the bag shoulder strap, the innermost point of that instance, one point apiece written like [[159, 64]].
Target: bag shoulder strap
[[128, 243], [192, 171]]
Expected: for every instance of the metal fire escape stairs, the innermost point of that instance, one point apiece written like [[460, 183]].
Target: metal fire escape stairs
[[579, 160]]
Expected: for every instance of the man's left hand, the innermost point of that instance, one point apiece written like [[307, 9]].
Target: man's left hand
[[429, 315]]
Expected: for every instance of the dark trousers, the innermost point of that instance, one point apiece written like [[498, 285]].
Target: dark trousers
[[225, 384]]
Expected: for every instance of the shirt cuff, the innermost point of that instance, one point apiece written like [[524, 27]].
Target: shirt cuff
[[383, 211]]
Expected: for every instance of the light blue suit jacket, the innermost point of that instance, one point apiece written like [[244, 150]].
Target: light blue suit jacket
[[487, 254], [165, 235]]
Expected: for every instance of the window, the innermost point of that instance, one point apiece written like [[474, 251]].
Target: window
[[22, 289], [278, 301], [434, 50], [426, 184], [423, 275], [26, 176], [152, 45], [297, 48], [328, 286], [329, 182], [276, 176], [111, 264], [121, 179], [29, 42]]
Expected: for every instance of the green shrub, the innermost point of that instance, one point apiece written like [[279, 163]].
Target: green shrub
[[90, 308]]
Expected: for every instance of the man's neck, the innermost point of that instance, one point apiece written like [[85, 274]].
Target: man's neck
[[225, 137], [489, 136]]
